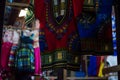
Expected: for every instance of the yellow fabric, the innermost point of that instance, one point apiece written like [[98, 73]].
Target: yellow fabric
[[100, 74]]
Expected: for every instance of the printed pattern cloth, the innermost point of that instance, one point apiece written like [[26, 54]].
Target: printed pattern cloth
[[24, 59], [95, 28], [58, 32]]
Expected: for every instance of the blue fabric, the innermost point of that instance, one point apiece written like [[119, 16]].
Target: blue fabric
[[92, 66], [24, 58], [80, 74], [42, 43], [27, 39], [104, 12]]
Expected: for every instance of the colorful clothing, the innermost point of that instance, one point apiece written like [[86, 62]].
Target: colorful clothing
[[92, 66], [37, 60], [24, 58], [95, 28], [15, 39], [12, 55], [6, 47], [102, 65], [58, 23], [37, 52], [30, 14], [7, 36]]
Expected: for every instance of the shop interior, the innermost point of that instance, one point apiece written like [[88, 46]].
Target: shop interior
[[95, 51]]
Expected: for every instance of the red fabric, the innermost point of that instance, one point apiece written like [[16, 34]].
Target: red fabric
[[52, 42], [40, 12], [98, 63], [6, 47], [1, 78], [77, 4], [108, 32]]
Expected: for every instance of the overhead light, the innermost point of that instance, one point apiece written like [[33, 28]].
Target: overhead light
[[23, 12]]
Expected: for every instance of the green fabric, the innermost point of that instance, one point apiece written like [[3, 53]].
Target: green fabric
[[24, 59], [58, 57], [30, 14]]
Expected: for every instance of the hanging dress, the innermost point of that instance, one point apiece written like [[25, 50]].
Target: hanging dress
[[15, 40], [95, 28], [24, 58], [37, 52], [6, 47], [29, 19], [58, 32]]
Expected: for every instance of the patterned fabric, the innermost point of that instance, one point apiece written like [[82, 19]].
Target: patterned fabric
[[30, 14], [15, 39], [28, 38], [95, 29], [57, 23], [24, 59], [12, 55], [58, 13], [42, 41], [7, 36], [74, 42]]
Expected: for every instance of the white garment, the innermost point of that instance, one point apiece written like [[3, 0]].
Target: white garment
[[36, 38], [27, 32], [16, 37], [112, 60], [36, 35], [7, 36]]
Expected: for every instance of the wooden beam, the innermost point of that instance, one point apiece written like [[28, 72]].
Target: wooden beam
[[15, 4], [111, 69]]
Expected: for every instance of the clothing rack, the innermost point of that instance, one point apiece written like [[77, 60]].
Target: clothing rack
[[12, 27]]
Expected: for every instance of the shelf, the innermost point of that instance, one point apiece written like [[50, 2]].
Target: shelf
[[80, 78], [87, 78]]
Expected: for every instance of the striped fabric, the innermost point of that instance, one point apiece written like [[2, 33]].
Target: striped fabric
[[12, 55], [30, 13], [24, 60]]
